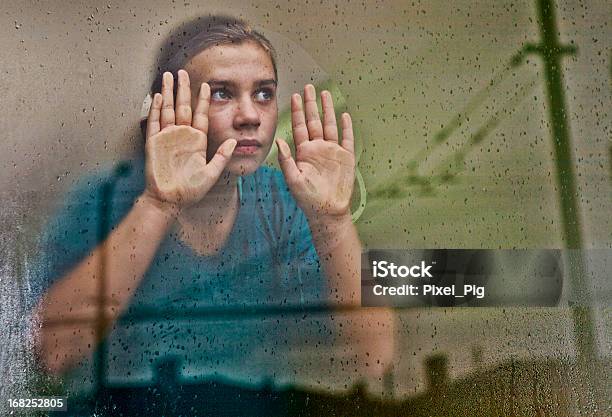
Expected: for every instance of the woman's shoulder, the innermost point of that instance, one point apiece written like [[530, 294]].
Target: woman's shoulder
[[104, 193], [120, 181]]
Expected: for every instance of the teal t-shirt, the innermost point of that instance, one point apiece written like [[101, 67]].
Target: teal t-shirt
[[231, 315]]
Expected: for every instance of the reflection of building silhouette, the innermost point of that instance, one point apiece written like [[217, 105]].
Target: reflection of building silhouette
[[514, 388]]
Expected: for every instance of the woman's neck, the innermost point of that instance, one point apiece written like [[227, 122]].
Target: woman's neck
[[206, 226], [218, 203]]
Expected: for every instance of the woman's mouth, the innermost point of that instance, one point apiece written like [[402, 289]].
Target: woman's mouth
[[246, 147]]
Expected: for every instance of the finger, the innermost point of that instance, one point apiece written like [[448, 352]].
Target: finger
[[183, 99], [313, 121], [330, 128], [154, 113], [200, 115], [287, 163], [348, 142], [167, 111], [222, 157], [298, 121]]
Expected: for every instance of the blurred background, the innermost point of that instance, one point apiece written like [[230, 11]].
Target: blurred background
[[458, 148]]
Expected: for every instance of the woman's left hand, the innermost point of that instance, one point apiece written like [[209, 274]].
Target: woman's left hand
[[321, 176]]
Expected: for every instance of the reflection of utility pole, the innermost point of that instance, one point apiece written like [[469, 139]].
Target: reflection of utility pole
[[104, 209], [389, 382], [551, 52]]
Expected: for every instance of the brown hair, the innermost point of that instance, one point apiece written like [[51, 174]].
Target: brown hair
[[193, 37]]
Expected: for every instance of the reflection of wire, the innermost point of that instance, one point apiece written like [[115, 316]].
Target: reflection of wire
[[213, 313], [107, 191], [456, 122], [394, 187], [508, 108]]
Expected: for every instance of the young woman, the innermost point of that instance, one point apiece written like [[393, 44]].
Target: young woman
[[201, 226]]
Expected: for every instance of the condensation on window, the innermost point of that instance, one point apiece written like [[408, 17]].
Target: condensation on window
[[478, 125]]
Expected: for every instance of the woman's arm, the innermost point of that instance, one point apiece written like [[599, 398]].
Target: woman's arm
[[321, 180], [69, 309], [177, 175], [368, 332]]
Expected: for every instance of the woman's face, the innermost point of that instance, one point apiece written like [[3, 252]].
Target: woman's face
[[242, 101]]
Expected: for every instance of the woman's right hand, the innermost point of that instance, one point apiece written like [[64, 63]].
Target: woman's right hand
[[177, 173]]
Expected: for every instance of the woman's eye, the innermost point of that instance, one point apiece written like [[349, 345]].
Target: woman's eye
[[220, 94], [264, 95]]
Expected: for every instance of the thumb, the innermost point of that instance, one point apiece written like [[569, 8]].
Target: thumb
[[222, 157], [286, 162]]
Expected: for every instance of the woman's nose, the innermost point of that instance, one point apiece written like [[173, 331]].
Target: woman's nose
[[247, 114]]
